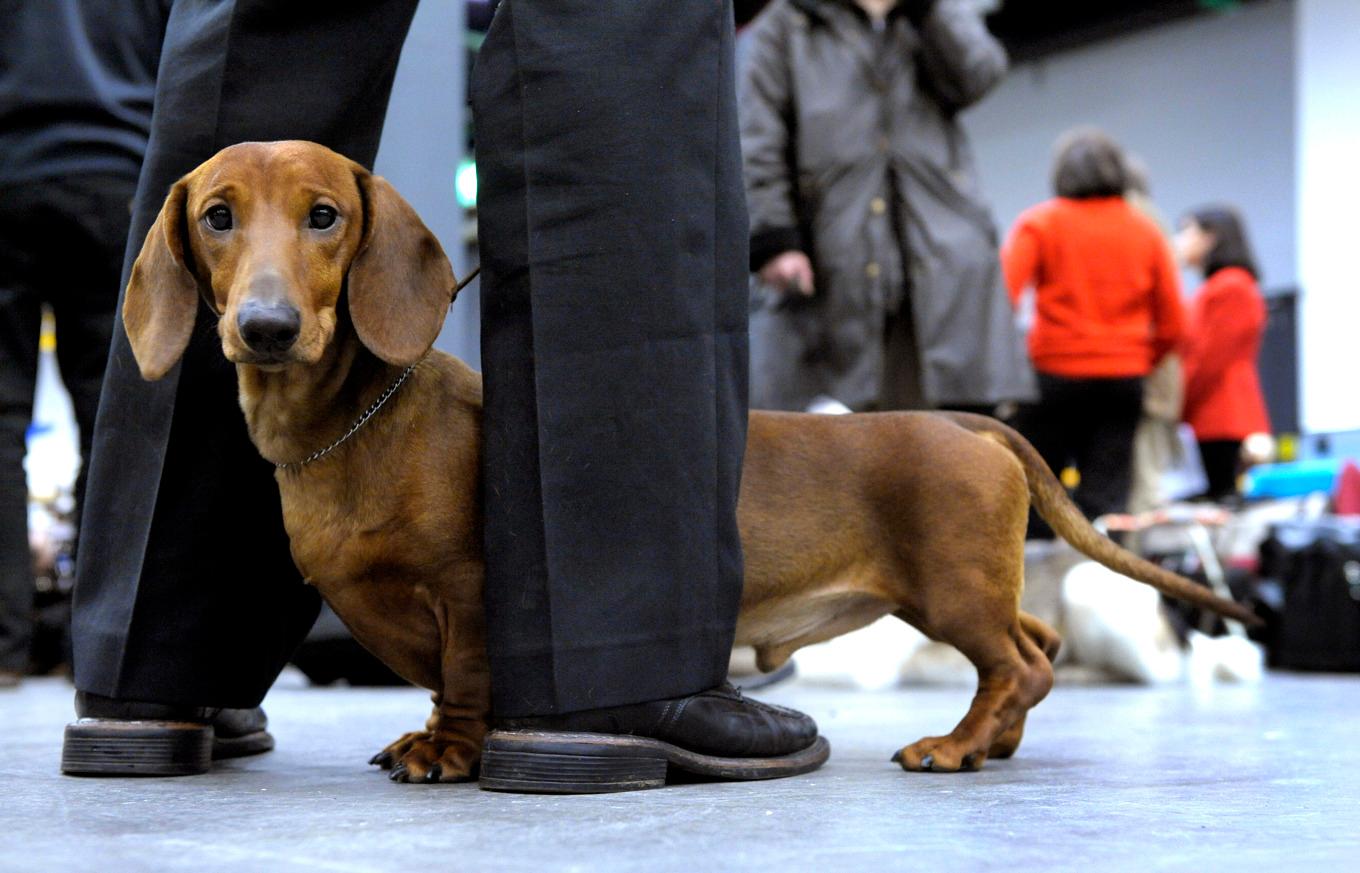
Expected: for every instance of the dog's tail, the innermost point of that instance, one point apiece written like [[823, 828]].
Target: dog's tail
[[1050, 499]]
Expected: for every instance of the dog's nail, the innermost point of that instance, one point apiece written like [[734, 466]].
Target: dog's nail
[[897, 757], [928, 762], [435, 772], [398, 773], [969, 762], [382, 759]]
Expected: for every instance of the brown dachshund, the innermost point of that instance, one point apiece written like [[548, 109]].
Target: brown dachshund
[[330, 292]]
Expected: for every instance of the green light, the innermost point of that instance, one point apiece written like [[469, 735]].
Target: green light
[[465, 183]]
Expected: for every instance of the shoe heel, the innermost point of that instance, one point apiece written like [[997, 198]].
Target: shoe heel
[[535, 764], [105, 748]]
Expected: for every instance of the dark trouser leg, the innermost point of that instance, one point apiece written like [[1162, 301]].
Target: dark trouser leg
[[185, 590], [66, 238], [1105, 458], [1051, 425], [1222, 461], [84, 294], [20, 320], [614, 238], [900, 386]]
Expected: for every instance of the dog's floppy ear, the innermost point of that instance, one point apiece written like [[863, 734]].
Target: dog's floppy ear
[[162, 296], [400, 282]]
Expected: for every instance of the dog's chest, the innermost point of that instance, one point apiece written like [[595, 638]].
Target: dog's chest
[[332, 542]]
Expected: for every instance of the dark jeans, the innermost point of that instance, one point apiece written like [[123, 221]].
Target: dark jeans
[[1222, 462], [61, 244], [1089, 424]]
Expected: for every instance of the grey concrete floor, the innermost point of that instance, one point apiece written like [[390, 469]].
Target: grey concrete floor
[[1229, 778]]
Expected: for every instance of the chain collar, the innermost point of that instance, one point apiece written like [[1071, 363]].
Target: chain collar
[[359, 423]]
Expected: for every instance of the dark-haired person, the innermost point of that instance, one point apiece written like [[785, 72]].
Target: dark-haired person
[[1107, 309], [1226, 319]]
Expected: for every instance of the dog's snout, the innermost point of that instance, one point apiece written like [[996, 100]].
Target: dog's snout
[[268, 328]]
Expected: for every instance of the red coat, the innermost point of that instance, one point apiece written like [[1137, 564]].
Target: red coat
[[1223, 399]]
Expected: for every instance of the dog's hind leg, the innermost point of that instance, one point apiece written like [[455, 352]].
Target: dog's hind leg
[[1014, 673], [1048, 641]]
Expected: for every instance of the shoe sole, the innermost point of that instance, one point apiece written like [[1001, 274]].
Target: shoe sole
[[133, 748], [550, 762]]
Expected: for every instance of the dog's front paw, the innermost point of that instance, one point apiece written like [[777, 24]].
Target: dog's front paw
[[422, 756], [939, 755]]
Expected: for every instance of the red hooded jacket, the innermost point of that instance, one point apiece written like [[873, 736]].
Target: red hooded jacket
[[1225, 322]]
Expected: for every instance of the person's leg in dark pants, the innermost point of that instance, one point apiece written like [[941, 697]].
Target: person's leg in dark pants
[[164, 610], [1105, 457], [186, 593], [614, 348], [62, 244], [84, 295], [1052, 425], [1222, 461], [20, 322], [614, 235]]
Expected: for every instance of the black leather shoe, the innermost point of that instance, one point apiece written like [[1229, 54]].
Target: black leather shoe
[[240, 732], [129, 738], [717, 733]]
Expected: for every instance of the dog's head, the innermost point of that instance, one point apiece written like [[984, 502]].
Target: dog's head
[[270, 234]]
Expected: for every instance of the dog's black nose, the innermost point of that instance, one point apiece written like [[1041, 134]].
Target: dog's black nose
[[268, 328]]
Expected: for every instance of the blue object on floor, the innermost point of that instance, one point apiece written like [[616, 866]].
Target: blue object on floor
[[1294, 479]]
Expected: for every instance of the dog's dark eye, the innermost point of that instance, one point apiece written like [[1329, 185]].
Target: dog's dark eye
[[218, 218], [322, 217]]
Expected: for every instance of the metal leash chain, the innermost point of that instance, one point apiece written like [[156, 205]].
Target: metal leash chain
[[363, 419], [377, 404]]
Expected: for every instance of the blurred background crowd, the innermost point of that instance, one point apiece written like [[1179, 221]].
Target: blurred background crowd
[[1118, 226]]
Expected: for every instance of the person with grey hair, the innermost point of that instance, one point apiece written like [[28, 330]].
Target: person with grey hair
[[1107, 310]]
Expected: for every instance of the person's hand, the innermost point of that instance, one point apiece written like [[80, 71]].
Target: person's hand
[[789, 272]]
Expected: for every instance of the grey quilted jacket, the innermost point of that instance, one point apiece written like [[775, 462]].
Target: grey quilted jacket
[[853, 155]]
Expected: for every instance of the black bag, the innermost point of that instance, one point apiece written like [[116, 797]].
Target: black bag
[[1317, 567]]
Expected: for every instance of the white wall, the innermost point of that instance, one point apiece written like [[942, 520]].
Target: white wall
[[1328, 130], [1207, 103], [422, 143]]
